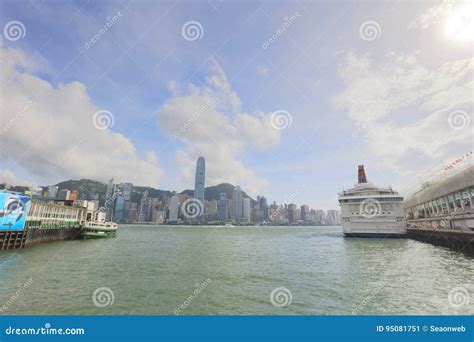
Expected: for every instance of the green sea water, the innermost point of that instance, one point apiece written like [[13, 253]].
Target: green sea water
[[167, 270]]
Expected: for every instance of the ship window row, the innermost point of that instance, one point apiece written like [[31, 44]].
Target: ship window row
[[383, 213], [381, 199]]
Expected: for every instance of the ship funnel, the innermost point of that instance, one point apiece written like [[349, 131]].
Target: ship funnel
[[362, 178]]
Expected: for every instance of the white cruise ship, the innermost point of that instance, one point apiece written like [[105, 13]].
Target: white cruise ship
[[370, 211]]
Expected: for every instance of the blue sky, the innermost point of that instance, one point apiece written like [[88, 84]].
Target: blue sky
[[385, 84]]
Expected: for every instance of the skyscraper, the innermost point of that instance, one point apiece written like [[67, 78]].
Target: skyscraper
[[237, 202], [305, 213], [118, 212], [64, 194], [143, 213], [212, 210], [127, 194], [53, 191], [292, 213], [246, 210], [109, 200], [174, 209], [200, 179], [334, 217], [264, 208], [222, 207]]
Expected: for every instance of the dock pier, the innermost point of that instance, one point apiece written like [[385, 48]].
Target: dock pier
[[458, 240], [442, 212], [12, 239]]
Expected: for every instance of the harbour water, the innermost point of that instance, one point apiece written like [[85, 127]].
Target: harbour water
[[167, 270]]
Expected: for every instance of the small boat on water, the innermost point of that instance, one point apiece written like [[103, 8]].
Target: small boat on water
[[97, 230]]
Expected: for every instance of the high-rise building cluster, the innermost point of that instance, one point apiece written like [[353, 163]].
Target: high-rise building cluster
[[235, 207]]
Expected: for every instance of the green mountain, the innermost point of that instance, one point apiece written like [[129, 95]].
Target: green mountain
[[213, 192], [87, 188]]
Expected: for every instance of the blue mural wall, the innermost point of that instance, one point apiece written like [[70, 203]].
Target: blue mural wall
[[13, 210]]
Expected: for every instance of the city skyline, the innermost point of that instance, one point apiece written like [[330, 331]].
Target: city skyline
[[174, 208], [278, 105]]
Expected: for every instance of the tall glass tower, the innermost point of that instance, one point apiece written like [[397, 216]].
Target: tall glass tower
[[200, 179]]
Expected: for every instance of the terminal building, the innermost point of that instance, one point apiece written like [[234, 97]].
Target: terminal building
[[446, 204]]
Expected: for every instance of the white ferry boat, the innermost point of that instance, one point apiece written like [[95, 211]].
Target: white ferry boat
[[370, 211], [96, 230]]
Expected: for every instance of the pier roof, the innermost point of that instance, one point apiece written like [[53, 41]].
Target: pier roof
[[460, 181]]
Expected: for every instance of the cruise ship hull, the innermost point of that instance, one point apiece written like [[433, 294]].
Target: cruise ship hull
[[371, 212], [377, 235], [372, 228]]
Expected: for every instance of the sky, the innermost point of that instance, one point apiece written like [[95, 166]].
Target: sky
[[283, 98]]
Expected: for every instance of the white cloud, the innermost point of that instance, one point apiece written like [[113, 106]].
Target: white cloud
[[49, 132], [432, 15], [209, 121], [456, 17], [9, 177], [408, 104]]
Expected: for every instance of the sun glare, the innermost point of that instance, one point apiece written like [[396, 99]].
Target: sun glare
[[460, 24]]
